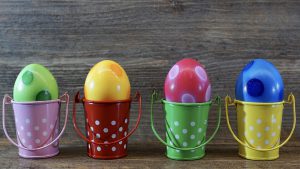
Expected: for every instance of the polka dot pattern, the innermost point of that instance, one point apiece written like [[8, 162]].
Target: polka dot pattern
[[186, 133], [36, 133], [260, 127], [106, 130]]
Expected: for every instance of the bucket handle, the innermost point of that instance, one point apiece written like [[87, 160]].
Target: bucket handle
[[77, 99], [291, 100], [155, 98], [7, 100]]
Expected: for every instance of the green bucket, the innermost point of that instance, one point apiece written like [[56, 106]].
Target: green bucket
[[186, 125]]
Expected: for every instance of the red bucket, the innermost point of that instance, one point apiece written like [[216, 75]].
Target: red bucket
[[106, 126]]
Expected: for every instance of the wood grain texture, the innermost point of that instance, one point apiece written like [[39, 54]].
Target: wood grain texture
[[147, 38]]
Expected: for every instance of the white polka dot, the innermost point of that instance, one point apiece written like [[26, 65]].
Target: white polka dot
[[251, 141], [192, 123], [92, 128], [36, 128], [113, 123], [88, 133], [176, 123], [120, 129], [251, 128], [120, 142], [187, 98], [98, 135], [199, 130], [199, 87], [273, 134], [105, 130], [184, 131], [274, 120], [45, 133], [113, 136], [208, 93], [267, 142], [258, 121], [37, 141], [113, 149], [105, 141], [87, 120], [199, 142], [171, 143], [118, 87], [184, 144], [174, 72], [44, 120], [29, 134], [22, 128], [125, 146], [126, 120], [98, 148], [23, 140], [30, 146], [27, 121], [200, 73], [97, 122], [170, 129], [177, 151], [258, 134], [192, 137], [51, 126], [89, 146], [267, 128], [125, 133], [177, 136]]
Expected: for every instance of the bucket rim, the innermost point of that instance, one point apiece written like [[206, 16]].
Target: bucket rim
[[258, 103], [37, 102], [186, 104], [115, 101]]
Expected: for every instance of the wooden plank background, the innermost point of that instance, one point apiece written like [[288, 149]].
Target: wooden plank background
[[147, 38]]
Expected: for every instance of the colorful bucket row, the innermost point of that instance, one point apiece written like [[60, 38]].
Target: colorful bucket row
[[259, 105]]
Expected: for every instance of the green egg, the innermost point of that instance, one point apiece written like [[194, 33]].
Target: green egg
[[35, 83]]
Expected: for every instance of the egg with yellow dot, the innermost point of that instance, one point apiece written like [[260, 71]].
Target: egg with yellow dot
[[107, 81]]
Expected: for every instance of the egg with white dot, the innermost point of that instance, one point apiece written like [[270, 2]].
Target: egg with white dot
[[198, 88]]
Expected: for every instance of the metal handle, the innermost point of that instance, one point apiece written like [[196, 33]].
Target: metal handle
[[77, 100], [291, 100], [217, 101], [7, 100]]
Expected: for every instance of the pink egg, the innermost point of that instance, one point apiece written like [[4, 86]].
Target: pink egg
[[187, 82]]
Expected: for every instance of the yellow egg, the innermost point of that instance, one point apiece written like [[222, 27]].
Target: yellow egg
[[107, 81]]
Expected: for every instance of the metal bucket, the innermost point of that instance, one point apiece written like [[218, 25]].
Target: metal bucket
[[106, 125], [37, 126]]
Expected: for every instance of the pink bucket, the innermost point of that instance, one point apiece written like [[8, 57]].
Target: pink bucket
[[37, 126]]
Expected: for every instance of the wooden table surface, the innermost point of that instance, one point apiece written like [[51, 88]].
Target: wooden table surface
[[149, 155], [147, 38]]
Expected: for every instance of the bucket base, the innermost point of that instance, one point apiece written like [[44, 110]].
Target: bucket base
[[39, 156], [259, 159], [184, 159], [107, 157]]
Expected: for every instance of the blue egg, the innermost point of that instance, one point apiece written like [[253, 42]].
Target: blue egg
[[259, 81]]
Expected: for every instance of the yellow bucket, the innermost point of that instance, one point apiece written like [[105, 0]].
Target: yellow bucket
[[259, 126]]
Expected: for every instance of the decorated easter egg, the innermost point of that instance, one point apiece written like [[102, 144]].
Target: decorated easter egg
[[35, 83], [107, 81], [259, 81], [187, 82]]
